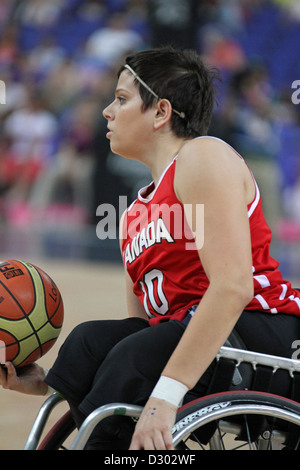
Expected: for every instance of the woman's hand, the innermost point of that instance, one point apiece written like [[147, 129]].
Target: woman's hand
[[154, 428], [28, 379]]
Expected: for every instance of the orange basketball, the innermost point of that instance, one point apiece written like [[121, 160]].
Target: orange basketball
[[31, 312]]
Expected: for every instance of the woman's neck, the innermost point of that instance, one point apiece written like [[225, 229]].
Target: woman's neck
[[162, 156]]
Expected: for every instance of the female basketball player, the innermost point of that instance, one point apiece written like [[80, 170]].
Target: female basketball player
[[195, 246]]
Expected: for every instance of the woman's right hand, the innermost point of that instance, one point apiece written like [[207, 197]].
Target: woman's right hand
[[28, 379]]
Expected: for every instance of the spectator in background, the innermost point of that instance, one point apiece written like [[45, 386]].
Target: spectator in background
[[62, 85], [45, 57], [249, 111], [250, 100], [6, 8], [90, 9], [108, 45], [8, 46], [38, 12], [31, 132], [67, 181], [16, 93], [248, 114], [221, 50]]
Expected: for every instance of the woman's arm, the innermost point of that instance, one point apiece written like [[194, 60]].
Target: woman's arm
[[222, 183], [208, 173]]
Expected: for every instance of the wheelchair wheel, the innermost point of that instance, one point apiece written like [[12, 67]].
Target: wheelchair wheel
[[234, 420], [56, 438]]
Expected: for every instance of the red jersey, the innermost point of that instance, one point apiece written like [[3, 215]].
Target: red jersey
[[159, 253]]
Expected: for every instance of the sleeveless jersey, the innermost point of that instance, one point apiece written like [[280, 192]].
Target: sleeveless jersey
[[159, 254]]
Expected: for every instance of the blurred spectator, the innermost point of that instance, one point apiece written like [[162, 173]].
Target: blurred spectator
[[67, 180], [62, 85], [91, 9], [31, 132], [74, 68], [251, 111], [6, 8], [291, 7], [108, 45], [65, 188], [8, 46], [45, 57], [289, 163], [16, 93], [250, 114], [221, 50], [230, 15], [38, 12], [8, 173]]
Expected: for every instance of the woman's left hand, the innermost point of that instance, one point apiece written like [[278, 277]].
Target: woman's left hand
[[154, 428]]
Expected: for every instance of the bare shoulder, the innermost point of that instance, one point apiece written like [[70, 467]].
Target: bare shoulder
[[208, 151], [208, 163]]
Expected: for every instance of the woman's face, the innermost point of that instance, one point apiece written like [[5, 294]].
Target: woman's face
[[129, 127]]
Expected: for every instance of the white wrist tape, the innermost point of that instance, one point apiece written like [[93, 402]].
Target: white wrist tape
[[170, 390]]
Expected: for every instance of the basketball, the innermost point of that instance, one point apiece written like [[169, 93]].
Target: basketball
[[31, 312]]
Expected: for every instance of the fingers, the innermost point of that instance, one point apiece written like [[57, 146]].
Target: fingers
[[157, 441], [8, 375], [11, 370], [29, 380], [149, 444], [153, 430], [2, 374]]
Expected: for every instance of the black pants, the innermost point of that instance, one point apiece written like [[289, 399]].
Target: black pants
[[110, 361]]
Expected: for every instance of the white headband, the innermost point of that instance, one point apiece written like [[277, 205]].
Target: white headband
[[180, 114]]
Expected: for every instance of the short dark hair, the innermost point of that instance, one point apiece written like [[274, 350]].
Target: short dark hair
[[181, 77]]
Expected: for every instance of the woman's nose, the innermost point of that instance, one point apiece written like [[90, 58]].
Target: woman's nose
[[107, 112]]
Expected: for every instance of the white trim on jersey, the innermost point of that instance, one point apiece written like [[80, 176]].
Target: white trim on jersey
[[262, 280], [295, 299], [256, 199], [284, 291], [142, 190], [264, 303]]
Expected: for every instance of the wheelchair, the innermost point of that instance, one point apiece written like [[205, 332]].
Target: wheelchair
[[246, 416]]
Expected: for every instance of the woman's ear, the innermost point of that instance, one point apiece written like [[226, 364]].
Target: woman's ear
[[163, 113]]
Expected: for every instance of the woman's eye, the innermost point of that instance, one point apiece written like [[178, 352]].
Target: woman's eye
[[121, 99]]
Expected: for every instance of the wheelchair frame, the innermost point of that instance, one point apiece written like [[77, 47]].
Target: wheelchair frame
[[203, 411]]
